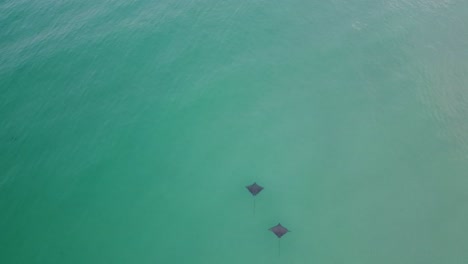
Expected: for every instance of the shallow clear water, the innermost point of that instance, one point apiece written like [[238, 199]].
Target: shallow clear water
[[129, 130]]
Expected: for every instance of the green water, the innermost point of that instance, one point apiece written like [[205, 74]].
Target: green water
[[129, 130]]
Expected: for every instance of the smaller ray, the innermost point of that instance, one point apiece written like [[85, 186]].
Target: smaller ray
[[254, 189]]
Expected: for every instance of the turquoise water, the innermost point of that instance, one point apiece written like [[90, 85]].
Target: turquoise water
[[129, 130]]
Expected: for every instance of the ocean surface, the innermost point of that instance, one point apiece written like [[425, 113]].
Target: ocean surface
[[129, 130]]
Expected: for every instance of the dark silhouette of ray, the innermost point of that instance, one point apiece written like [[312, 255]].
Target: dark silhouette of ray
[[279, 231], [254, 189]]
